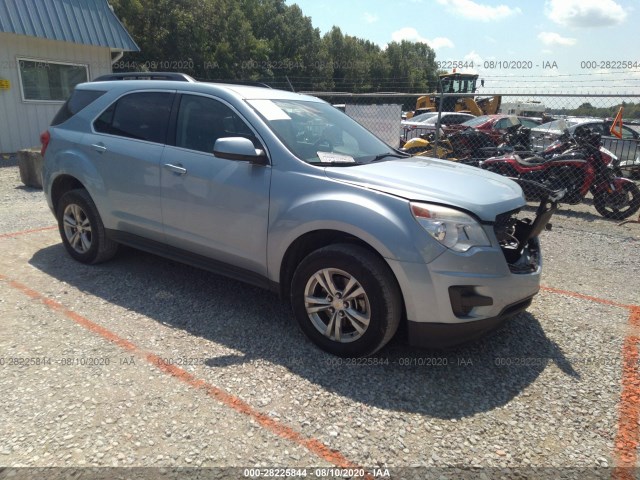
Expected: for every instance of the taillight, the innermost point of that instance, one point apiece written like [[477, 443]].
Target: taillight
[[44, 140]]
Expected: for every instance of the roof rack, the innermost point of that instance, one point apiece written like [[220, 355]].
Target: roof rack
[[172, 76], [247, 83]]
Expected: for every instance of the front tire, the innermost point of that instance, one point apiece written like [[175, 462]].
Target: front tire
[[346, 300], [620, 204], [81, 228]]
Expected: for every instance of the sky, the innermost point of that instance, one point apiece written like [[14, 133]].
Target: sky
[[542, 46]]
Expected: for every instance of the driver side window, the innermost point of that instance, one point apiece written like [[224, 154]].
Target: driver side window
[[203, 120]]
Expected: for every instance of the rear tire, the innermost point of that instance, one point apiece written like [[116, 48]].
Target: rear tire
[[346, 300], [620, 204], [81, 228]]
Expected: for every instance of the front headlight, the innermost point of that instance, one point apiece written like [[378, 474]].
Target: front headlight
[[452, 228]]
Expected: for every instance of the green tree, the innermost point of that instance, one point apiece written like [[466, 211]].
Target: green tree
[[266, 40], [291, 48], [412, 66], [358, 65]]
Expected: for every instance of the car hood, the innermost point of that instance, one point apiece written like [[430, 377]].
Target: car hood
[[482, 193]]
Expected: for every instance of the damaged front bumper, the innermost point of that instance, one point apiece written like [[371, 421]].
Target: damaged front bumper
[[459, 297]]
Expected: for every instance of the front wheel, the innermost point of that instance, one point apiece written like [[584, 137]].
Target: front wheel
[[619, 204], [346, 300]]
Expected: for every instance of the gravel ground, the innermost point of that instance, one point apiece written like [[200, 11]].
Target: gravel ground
[[543, 391], [22, 208]]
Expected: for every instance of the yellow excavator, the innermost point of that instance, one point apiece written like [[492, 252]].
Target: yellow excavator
[[460, 83]]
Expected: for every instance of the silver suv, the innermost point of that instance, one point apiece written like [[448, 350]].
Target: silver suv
[[287, 192]]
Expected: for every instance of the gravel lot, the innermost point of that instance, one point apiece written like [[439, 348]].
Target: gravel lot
[[144, 362]]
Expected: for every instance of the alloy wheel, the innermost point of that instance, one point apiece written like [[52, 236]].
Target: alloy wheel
[[337, 305], [77, 228]]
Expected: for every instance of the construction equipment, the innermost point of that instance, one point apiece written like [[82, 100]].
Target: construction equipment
[[463, 84], [424, 145]]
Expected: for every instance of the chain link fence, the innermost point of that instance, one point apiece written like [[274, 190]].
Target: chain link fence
[[568, 145]]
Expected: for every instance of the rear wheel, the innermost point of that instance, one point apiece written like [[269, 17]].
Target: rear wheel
[[346, 300], [620, 204], [81, 228]]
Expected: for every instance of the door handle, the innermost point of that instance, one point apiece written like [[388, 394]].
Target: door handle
[[99, 147], [178, 169]]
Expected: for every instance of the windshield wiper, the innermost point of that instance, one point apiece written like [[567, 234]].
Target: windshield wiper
[[382, 156], [334, 164]]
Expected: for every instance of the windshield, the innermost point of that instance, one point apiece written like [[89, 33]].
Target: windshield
[[423, 116], [319, 133], [558, 124], [458, 84], [443, 118]]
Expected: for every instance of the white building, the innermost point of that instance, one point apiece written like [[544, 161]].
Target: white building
[[46, 48], [526, 109]]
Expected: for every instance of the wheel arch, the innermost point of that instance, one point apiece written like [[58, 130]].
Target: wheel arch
[[314, 240], [63, 184]]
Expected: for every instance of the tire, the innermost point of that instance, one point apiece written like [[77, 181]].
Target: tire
[[619, 204], [365, 319], [81, 228]]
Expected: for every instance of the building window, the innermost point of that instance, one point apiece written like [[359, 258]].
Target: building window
[[50, 81]]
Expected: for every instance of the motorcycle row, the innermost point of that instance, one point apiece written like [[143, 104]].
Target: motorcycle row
[[574, 165]]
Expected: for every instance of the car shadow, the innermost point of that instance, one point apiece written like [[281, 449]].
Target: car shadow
[[28, 189], [456, 383]]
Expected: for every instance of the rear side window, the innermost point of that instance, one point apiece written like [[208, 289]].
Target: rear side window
[[506, 123], [448, 119], [78, 100], [143, 116], [457, 119]]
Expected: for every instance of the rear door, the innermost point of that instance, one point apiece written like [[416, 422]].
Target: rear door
[[214, 207], [126, 145]]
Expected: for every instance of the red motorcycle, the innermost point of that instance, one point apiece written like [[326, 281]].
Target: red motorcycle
[[576, 164]]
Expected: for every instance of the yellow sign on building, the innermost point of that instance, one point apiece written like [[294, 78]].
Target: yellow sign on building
[[4, 84]]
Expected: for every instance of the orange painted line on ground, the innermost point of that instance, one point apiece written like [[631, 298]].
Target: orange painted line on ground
[[27, 232], [281, 430], [628, 431], [582, 296]]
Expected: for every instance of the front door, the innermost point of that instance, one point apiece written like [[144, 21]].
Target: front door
[[211, 206]]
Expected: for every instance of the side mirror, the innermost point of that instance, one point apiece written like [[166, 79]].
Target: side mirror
[[240, 149]]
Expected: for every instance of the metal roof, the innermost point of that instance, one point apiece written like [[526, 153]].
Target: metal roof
[[87, 22]]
